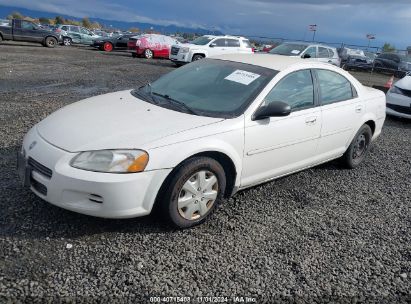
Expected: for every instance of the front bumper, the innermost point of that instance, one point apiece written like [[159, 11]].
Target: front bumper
[[180, 58], [398, 105], [98, 194]]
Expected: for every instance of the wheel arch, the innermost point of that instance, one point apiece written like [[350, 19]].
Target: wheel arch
[[226, 162], [198, 53]]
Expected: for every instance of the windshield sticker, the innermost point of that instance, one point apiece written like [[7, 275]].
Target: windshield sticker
[[242, 77], [296, 52]]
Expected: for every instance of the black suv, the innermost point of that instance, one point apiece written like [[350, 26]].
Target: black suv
[[394, 63]]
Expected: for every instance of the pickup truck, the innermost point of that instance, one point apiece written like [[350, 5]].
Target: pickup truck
[[23, 30]]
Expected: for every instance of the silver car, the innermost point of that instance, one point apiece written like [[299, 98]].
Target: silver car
[[313, 51]]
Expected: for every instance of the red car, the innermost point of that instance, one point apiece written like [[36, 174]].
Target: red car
[[150, 45]]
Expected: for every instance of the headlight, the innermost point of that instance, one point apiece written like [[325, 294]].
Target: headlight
[[184, 50], [111, 161], [396, 90]]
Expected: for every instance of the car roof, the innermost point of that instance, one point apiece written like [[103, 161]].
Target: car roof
[[309, 43], [271, 61]]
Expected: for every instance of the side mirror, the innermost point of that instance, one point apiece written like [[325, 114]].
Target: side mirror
[[273, 109], [212, 44], [306, 56]]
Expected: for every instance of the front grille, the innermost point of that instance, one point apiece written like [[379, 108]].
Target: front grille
[[174, 50], [43, 170], [399, 109], [404, 92], [39, 187]]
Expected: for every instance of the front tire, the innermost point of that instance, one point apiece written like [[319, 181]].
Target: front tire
[[148, 54], [193, 192], [197, 57], [50, 42], [358, 148]]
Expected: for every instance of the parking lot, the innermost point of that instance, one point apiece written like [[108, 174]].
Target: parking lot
[[325, 234]]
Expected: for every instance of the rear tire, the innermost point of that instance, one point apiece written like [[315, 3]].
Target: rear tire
[[358, 148], [108, 47], [193, 192], [51, 42], [148, 54], [67, 41]]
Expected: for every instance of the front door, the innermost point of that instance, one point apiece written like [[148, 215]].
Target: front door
[[281, 145], [217, 47]]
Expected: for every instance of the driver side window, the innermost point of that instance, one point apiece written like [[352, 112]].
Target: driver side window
[[295, 89], [312, 51]]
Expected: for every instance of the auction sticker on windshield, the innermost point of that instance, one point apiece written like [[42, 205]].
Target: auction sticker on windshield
[[242, 77]]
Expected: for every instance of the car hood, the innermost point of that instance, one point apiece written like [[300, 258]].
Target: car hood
[[114, 121], [404, 83]]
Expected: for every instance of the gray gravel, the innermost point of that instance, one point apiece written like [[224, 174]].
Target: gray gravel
[[323, 235]]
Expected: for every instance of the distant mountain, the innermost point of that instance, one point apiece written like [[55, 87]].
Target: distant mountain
[[122, 25]]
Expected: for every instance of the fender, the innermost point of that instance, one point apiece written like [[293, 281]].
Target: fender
[[364, 119], [230, 143]]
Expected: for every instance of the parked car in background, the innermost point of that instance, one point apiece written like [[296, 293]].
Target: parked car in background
[[393, 63], [109, 44], [73, 34], [209, 45], [198, 135], [22, 30], [354, 62], [399, 98], [371, 56], [312, 51], [345, 53], [150, 45]]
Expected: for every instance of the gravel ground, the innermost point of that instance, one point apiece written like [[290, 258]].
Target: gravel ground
[[323, 235]]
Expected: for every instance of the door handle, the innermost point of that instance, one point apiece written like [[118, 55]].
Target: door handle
[[358, 109], [310, 120]]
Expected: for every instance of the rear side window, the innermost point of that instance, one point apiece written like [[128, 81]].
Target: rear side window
[[220, 42], [295, 89], [233, 43], [312, 51], [322, 52], [247, 43], [333, 87]]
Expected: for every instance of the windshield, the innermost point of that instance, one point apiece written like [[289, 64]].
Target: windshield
[[208, 87], [201, 40], [289, 49]]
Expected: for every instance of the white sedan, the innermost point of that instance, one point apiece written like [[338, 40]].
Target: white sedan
[[198, 135], [399, 98]]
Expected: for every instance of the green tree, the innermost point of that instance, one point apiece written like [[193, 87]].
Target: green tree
[[86, 22], [59, 20], [15, 15], [134, 30], [388, 48], [95, 26], [44, 20]]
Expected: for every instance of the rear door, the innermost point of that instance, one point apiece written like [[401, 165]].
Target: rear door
[[324, 55], [233, 46], [86, 36], [341, 112]]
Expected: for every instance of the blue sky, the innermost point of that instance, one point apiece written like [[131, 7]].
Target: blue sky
[[338, 21]]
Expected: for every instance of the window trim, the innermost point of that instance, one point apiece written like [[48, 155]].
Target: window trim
[[315, 71]]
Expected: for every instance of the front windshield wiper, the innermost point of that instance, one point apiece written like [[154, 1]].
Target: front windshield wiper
[[176, 102]]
